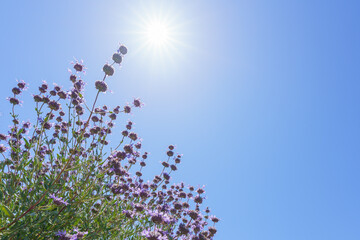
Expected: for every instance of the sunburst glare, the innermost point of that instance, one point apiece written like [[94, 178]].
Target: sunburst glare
[[159, 33]]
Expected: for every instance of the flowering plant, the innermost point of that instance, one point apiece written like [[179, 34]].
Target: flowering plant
[[59, 178]]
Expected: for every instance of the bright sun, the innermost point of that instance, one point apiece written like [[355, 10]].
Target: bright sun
[[157, 33], [160, 33]]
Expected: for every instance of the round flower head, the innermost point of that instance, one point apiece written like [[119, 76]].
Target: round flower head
[[198, 199], [212, 230], [133, 136], [112, 116], [16, 90], [214, 219], [183, 230], [78, 67], [54, 105], [101, 86], [3, 136], [127, 109], [79, 234], [58, 201], [94, 118], [137, 102], [44, 85], [193, 214], [14, 101], [62, 94], [117, 58], [21, 84], [2, 148], [166, 176], [108, 70], [72, 77], [153, 234], [122, 49], [53, 93], [61, 233]]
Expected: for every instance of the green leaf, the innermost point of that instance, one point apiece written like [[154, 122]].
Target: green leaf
[[6, 210], [26, 142], [48, 208]]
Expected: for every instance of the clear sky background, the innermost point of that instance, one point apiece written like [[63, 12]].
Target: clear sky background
[[261, 97]]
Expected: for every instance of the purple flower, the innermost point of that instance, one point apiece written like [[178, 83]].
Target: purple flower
[[159, 217], [153, 234], [2, 148], [123, 50], [133, 136], [3, 136], [54, 105], [127, 109], [166, 176], [79, 234], [101, 86], [108, 70], [78, 67], [117, 58], [214, 219], [63, 236], [137, 102], [61, 94], [58, 201], [183, 229], [193, 214], [16, 90], [61, 233], [14, 101], [79, 85], [21, 84], [198, 199], [212, 230]]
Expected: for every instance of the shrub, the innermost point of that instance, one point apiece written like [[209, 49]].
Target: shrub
[[60, 180]]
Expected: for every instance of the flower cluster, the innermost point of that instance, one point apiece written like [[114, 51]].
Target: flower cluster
[[60, 175], [66, 236]]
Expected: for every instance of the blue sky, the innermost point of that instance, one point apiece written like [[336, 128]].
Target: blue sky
[[261, 97]]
